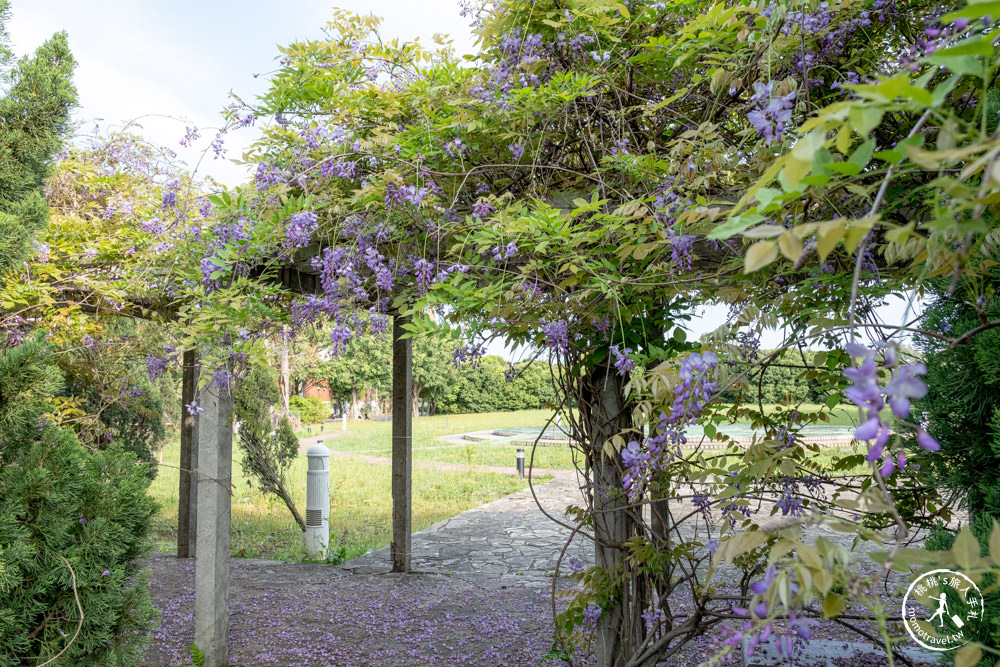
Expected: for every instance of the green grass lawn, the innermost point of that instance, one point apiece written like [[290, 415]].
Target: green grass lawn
[[360, 505], [374, 438]]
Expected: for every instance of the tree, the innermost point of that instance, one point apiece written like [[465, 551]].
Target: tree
[[962, 406], [74, 525], [364, 364], [311, 409], [34, 116], [596, 171], [267, 451], [435, 377]]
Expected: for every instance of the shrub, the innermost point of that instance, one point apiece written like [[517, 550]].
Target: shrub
[[73, 528], [311, 409]]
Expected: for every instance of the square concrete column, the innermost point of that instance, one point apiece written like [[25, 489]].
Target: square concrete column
[[215, 455]]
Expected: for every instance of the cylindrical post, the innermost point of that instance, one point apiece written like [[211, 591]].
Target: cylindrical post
[[343, 422], [318, 501], [520, 463]]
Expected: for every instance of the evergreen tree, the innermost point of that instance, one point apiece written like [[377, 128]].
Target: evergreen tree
[[73, 527], [267, 451], [962, 411], [34, 116], [962, 406]]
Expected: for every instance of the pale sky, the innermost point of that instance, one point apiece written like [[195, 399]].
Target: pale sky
[[172, 63]]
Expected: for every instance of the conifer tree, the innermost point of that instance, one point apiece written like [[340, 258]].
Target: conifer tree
[[73, 527], [34, 117]]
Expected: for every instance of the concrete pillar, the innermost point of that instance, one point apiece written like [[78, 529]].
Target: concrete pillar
[[215, 455], [402, 452]]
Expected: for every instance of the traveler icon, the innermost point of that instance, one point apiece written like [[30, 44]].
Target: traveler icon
[[941, 610]]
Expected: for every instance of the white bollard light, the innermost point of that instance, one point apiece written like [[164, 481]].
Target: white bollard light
[[318, 501], [343, 422]]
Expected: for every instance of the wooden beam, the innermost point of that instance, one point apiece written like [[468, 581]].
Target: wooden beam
[[402, 449], [187, 507]]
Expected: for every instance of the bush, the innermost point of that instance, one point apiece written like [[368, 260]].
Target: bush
[[311, 409], [70, 519]]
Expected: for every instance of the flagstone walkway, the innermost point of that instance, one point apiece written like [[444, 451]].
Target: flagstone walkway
[[508, 537]]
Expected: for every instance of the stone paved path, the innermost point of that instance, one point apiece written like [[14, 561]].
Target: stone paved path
[[509, 537]]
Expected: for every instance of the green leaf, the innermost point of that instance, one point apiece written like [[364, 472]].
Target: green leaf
[[862, 155], [710, 431], [829, 235], [973, 46], [864, 119], [795, 170], [765, 196], [968, 655], [735, 225], [966, 549], [891, 88], [759, 255], [973, 11], [848, 168], [833, 604], [806, 147], [961, 64]]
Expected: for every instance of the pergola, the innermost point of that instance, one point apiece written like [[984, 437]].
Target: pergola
[[203, 526]]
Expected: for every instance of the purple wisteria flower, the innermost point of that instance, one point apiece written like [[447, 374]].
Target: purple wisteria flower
[[300, 229], [691, 395], [591, 614], [155, 366], [772, 114], [866, 393], [193, 408], [481, 209], [467, 355], [191, 135], [170, 196], [517, 150], [703, 505], [623, 362], [557, 335]]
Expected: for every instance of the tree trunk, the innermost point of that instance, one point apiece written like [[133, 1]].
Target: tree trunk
[[402, 445], [282, 493], [417, 387], [187, 491], [284, 377], [355, 406], [607, 416]]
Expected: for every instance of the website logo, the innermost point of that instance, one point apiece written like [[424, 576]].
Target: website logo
[[941, 610]]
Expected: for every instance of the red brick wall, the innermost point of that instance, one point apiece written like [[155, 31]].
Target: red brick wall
[[317, 390]]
